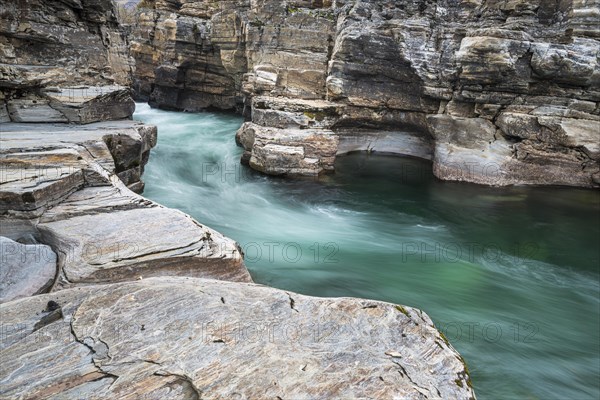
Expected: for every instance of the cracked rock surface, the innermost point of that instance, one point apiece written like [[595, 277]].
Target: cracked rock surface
[[186, 338]]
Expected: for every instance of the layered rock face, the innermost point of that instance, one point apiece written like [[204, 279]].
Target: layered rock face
[[71, 159], [186, 338], [493, 92], [67, 186], [63, 62], [190, 60]]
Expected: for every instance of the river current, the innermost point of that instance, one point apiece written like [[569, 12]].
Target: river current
[[509, 275]]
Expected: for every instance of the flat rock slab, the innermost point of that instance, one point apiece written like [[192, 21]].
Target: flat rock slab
[[110, 234], [81, 105], [43, 163], [29, 137], [187, 338], [26, 269]]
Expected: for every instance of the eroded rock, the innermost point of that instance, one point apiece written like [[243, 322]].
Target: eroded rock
[[69, 186], [288, 151], [26, 269], [401, 68], [107, 234], [195, 338]]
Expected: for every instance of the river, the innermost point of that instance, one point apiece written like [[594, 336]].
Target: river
[[509, 275]]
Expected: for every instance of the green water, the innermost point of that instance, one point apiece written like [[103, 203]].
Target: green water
[[510, 275]]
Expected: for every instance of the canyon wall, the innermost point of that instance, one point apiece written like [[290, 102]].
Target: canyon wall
[[63, 61], [493, 92]]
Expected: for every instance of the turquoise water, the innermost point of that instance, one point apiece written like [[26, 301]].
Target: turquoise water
[[510, 275]]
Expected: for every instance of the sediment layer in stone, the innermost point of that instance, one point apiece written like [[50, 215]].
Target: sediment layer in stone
[[68, 186]]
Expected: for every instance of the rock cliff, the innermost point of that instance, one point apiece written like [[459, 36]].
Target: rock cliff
[[63, 61], [493, 92]]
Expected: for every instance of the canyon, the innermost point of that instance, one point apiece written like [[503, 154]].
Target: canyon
[[121, 295], [492, 92], [105, 293]]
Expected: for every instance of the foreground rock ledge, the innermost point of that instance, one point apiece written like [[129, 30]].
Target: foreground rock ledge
[[189, 338]]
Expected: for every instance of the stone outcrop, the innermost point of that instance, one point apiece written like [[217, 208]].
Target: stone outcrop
[[493, 92], [71, 158], [69, 187], [27, 269], [178, 66], [185, 338], [63, 61]]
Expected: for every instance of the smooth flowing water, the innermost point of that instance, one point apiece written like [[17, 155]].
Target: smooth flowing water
[[510, 275]]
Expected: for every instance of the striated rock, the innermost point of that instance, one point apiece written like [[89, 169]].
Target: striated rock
[[62, 43], [26, 269], [63, 61], [400, 73], [106, 234], [302, 137], [71, 186], [403, 143], [177, 65], [81, 105], [194, 338], [288, 151], [43, 163]]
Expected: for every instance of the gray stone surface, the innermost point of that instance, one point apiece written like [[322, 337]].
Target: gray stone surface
[[288, 151], [186, 338], [26, 269], [107, 234], [63, 61], [81, 105], [61, 43], [44, 163]]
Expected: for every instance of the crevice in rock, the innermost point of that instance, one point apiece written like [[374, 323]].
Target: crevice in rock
[[196, 392], [93, 351], [292, 302], [403, 373]]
